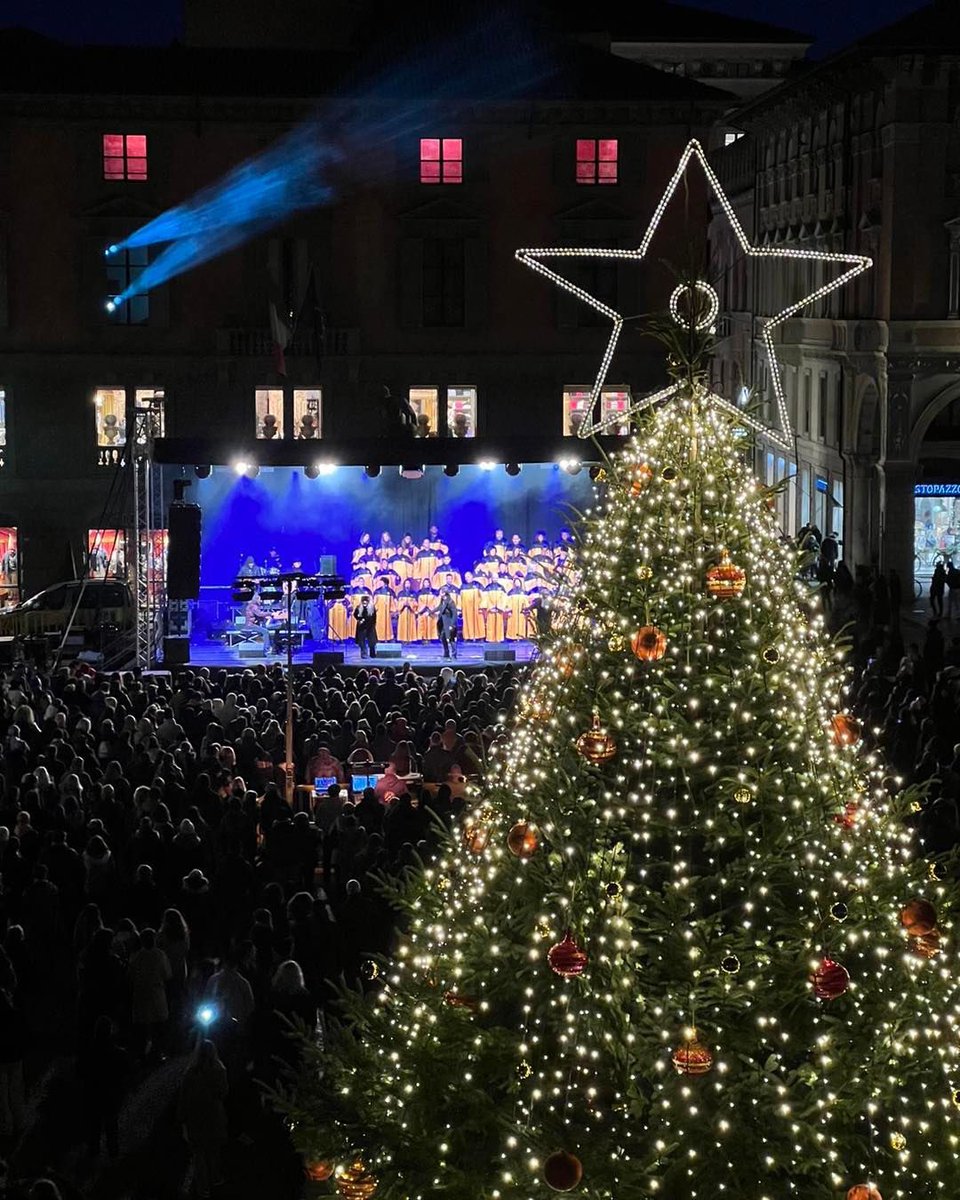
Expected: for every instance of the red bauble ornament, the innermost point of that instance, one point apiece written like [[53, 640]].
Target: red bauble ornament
[[566, 958], [846, 730], [318, 1171], [562, 1171], [918, 917], [475, 838], [863, 1191], [523, 840], [850, 815], [830, 980], [726, 580], [456, 1000], [693, 1057], [649, 643]]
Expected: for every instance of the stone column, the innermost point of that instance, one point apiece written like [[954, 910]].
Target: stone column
[[897, 522], [861, 512]]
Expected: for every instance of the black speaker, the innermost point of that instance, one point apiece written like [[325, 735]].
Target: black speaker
[[183, 552], [327, 658], [499, 656], [176, 651], [327, 564]]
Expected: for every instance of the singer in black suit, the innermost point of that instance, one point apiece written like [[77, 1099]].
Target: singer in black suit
[[365, 616]]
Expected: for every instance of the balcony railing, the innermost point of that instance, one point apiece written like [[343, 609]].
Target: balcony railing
[[258, 343]]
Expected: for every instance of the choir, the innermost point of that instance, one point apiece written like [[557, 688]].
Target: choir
[[497, 600]]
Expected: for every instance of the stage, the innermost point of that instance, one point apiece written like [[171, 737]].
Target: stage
[[426, 656]]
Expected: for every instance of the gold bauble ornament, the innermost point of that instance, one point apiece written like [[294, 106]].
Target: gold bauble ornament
[[955, 1097], [355, 1182], [644, 571], [595, 744], [771, 655], [726, 580], [839, 911], [730, 964], [370, 969], [443, 884], [897, 1141], [524, 1070], [668, 474], [614, 889], [936, 872], [616, 643], [743, 795]]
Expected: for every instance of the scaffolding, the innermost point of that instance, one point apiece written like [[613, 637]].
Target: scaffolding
[[147, 533]]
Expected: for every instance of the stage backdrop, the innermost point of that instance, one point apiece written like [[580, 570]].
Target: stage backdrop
[[305, 518]]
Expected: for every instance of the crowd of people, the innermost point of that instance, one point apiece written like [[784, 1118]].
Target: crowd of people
[[164, 907]]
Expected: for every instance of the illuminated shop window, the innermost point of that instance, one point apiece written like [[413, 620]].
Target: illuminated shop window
[[9, 567], [597, 160], [614, 404], [441, 160], [106, 554], [269, 413], [462, 412], [425, 402], [307, 413], [125, 156]]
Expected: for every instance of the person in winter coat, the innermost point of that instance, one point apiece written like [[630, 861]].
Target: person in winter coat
[[201, 1110], [148, 973], [13, 1037]]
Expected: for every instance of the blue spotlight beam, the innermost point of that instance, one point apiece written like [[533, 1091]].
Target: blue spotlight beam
[[493, 60]]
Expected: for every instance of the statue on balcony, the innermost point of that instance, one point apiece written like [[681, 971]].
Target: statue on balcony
[[111, 429], [308, 426], [269, 427]]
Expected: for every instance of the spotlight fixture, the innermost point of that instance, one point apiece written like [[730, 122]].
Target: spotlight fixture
[[451, 470], [325, 468], [411, 471], [203, 472], [570, 465], [372, 471], [311, 471], [111, 306], [242, 467], [111, 249], [512, 468], [487, 464]]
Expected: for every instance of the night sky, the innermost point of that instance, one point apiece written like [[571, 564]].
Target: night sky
[[831, 22]]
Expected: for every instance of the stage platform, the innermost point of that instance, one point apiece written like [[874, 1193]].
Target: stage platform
[[426, 656]]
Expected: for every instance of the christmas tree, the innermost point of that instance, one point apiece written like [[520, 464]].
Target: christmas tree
[[681, 944]]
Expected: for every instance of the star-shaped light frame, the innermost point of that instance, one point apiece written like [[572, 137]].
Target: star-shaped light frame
[[856, 264]]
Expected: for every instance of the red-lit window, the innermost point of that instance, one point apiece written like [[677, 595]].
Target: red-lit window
[[441, 160], [597, 160], [125, 156]]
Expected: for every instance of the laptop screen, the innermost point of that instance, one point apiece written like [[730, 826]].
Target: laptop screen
[[322, 782]]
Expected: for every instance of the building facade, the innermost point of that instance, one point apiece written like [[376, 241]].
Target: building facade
[[403, 278], [861, 154]]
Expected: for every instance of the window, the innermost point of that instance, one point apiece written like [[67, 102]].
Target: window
[[307, 418], [807, 401], [443, 282], [425, 402], [597, 160], [150, 421], [731, 136], [441, 160], [269, 413], [9, 567], [106, 558], [613, 401], [462, 412], [124, 266], [822, 404], [125, 156], [110, 415]]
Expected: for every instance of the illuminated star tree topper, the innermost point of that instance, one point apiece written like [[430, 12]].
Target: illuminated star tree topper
[[694, 305]]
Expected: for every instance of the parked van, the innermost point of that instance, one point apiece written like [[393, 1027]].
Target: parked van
[[103, 602]]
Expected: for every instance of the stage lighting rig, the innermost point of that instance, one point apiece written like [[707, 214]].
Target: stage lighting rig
[[311, 471], [203, 472], [487, 464], [372, 471], [512, 468], [411, 471], [451, 470]]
